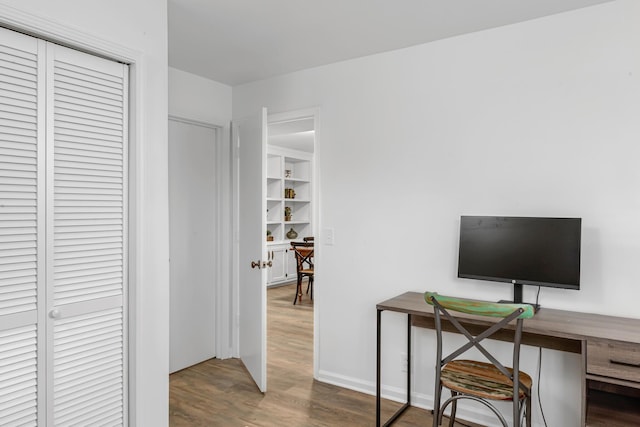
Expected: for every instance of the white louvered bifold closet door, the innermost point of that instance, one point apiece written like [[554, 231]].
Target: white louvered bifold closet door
[[21, 227], [86, 237], [63, 236]]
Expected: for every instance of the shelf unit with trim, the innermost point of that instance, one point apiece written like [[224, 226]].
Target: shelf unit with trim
[[289, 191]]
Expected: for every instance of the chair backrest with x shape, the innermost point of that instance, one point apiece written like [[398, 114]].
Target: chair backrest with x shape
[[304, 255], [507, 312]]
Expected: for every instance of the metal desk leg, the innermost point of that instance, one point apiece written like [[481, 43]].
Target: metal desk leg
[[409, 360], [378, 370], [406, 405]]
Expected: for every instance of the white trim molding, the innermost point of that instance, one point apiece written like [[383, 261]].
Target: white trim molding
[[65, 35]]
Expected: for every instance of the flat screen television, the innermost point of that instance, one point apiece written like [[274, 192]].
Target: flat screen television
[[521, 250]]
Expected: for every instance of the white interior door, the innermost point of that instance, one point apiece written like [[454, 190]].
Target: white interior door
[[63, 235], [250, 137], [192, 197], [86, 238], [22, 191]]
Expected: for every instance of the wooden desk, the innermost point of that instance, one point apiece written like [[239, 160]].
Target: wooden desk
[[609, 346]]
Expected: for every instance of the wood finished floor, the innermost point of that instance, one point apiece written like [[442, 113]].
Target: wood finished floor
[[221, 393]]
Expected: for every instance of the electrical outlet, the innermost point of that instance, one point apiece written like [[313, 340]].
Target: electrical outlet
[[404, 362]]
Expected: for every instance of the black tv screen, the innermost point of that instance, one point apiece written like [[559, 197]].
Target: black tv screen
[[523, 250]]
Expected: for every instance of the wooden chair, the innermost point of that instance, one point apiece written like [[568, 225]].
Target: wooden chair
[[304, 267], [480, 381]]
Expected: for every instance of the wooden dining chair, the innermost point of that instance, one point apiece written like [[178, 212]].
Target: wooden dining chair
[[478, 380], [304, 267]]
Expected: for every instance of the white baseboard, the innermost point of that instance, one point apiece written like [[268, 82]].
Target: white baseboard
[[396, 394], [475, 414]]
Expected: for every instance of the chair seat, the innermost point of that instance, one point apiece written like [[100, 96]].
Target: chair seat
[[480, 379], [307, 271]]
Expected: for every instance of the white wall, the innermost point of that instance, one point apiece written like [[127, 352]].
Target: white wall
[[534, 119], [197, 98], [141, 27]]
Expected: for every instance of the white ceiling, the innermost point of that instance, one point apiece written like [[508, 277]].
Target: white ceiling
[[239, 41]]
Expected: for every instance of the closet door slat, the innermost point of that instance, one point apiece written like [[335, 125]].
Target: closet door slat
[[87, 238], [89, 376], [21, 226]]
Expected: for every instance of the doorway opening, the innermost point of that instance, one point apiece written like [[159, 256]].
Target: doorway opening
[[291, 218]]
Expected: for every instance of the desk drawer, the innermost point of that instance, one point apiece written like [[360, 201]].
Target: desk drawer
[[614, 359]]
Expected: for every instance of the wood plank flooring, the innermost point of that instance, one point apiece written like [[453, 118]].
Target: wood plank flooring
[[221, 392]]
